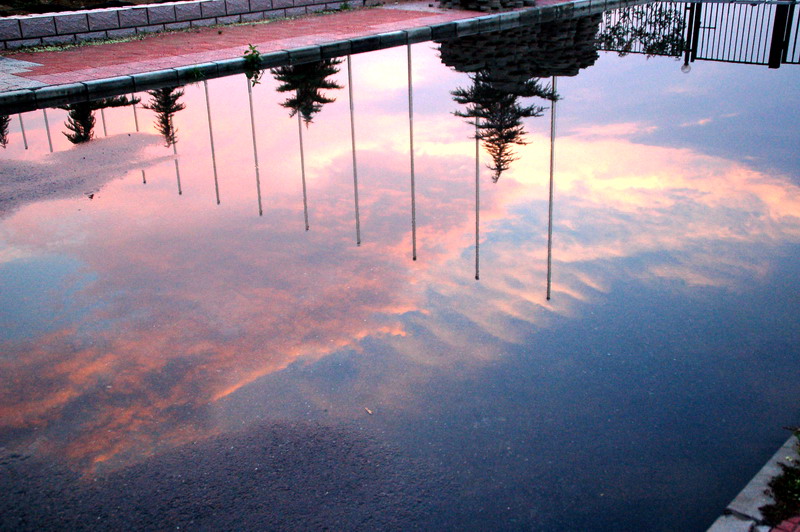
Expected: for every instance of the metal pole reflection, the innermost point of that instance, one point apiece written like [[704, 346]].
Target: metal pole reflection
[[411, 151], [22, 128], [211, 136], [550, 203], [477, 203], [175, 153], [47, 128], [303, 169], [103, 119], [353, 140], [135, 114], [255, 149]]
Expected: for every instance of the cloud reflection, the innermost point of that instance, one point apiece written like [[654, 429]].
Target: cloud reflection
[[198, 304]]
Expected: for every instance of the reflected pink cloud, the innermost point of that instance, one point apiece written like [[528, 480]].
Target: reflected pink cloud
[[200, 301]]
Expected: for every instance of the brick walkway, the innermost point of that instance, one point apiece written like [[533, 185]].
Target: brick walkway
[[169, 50]]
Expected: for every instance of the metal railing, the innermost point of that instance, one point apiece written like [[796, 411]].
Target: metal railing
[[732, 32]]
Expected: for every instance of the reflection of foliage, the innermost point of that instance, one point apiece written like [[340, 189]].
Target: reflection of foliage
[[165, 104], [307, 80], [5, 120], [81, 121], [497, 114], [252, 65], [653, 29]]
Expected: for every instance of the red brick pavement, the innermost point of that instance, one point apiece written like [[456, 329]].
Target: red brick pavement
[[167, 50], [790, 525]]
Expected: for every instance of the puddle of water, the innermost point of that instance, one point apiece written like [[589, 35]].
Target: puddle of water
[[228, 281]]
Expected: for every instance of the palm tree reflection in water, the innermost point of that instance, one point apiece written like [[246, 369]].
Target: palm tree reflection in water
[[496, 113], [80, 118], [164, 102], [307, 81]]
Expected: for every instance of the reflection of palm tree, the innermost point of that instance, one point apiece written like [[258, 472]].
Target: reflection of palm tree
[[165, 103], [307, 81], [497, 114], [5, 120], [81, 121]]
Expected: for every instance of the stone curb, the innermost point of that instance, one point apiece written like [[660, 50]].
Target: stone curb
[[30, 99], [743, 513]]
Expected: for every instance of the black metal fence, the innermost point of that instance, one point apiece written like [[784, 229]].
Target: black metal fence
[[733, 32]]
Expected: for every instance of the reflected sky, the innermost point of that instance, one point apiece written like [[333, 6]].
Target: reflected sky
[[142, 318]]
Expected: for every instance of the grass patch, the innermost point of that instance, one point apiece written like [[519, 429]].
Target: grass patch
[[785, 489]]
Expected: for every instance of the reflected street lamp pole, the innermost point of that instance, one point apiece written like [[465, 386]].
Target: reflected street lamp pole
[[47, 128], [136, 123], [303, 169], [175, 153], [22, 128], [477, 202], [211, 136], [255, 149], [411, 151], [353, 140], [550, 203], [103, 119]]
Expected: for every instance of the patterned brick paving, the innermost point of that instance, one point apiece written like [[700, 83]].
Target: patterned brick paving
[[790, 525], [208, 44]]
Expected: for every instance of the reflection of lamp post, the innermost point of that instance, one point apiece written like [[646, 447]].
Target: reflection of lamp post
[[175, 153], [22, 128], [550, 203], [477, 200], [47, 128], [303, 168], [135, 115], [353, 140], [211, 136], [411, 151], [103, 120], [136, 123], [255, 149]]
